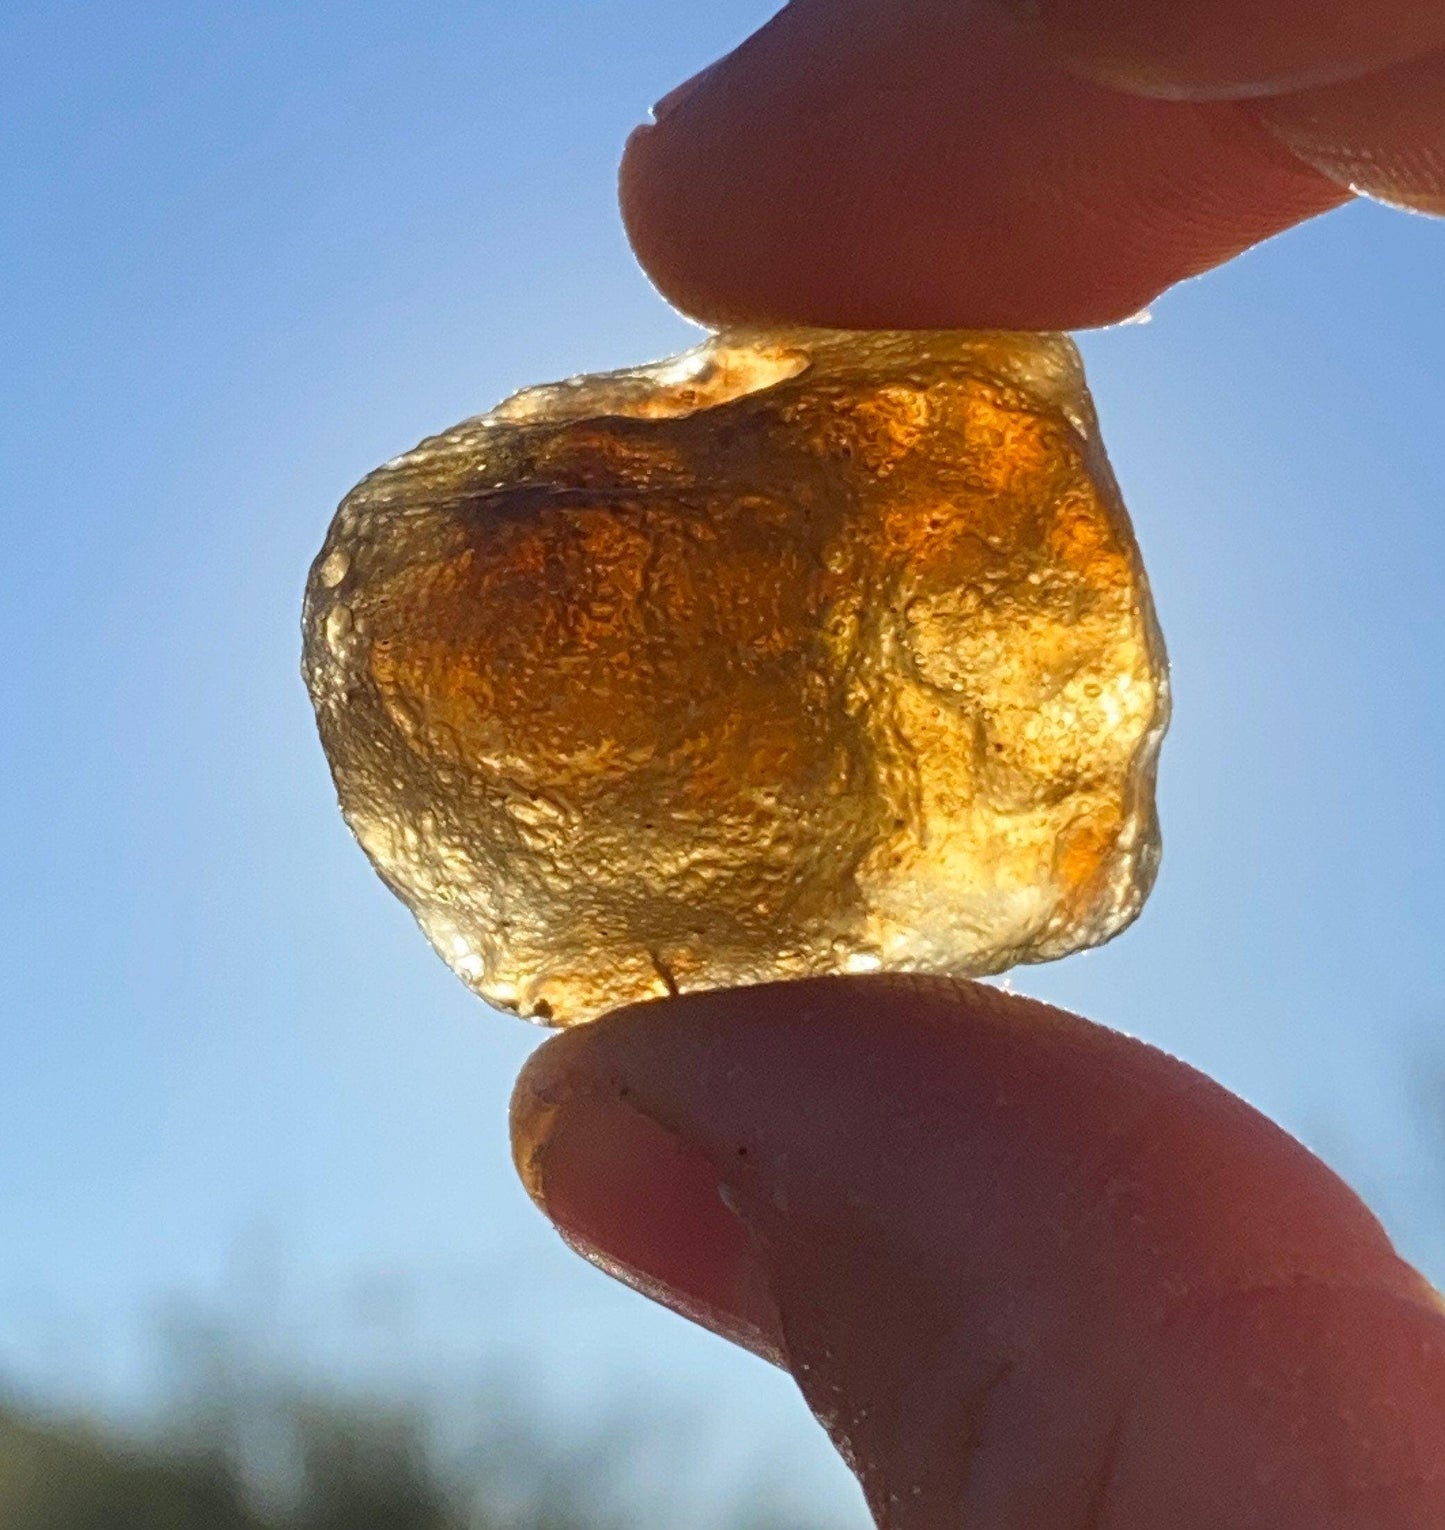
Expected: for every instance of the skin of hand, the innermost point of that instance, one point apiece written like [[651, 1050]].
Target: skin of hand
[[942, 163], [1030, 1274]]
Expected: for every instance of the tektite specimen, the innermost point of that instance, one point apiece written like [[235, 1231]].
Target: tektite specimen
[[804, 652]]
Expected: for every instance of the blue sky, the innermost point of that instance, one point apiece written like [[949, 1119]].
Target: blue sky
[[252, 252]]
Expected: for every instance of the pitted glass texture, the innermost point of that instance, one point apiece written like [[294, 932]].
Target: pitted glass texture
[[805, 652]]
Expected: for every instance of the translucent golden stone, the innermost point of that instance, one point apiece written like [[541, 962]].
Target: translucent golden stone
[[804, 652]]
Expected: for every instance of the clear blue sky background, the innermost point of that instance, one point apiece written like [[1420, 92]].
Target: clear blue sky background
[[248, 253]]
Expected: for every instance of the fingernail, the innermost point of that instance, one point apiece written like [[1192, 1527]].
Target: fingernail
[[642, 1205], [680, 93]]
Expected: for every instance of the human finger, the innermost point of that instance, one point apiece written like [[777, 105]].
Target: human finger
[[920, 164], [1382, 134], [1025, 1270], [1218, 48]]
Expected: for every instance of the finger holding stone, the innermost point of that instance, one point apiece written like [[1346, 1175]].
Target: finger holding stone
[[1230, 48], [1382, 135], [925, 165], [1025, 1270]]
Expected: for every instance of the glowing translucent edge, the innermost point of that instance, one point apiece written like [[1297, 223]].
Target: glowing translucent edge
[[803, 652]]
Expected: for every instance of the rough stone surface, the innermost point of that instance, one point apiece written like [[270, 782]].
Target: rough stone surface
[[804, 652]]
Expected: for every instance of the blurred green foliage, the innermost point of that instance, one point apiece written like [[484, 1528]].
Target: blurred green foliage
[[246, 1429], [67, 1478], [354, 1467]]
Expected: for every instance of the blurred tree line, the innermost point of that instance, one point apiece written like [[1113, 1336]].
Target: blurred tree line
[[354, 1467]]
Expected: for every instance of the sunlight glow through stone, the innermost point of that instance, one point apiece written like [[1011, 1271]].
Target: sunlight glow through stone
[[805, 652]]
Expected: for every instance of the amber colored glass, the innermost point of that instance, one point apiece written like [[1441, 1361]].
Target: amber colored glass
[[805, 652]]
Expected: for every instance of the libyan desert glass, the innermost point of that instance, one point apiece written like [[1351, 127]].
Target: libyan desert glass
[[805, 652]]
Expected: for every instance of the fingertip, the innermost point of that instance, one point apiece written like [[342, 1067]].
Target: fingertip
[[921, 166], [956, 1216], [635, 1199]]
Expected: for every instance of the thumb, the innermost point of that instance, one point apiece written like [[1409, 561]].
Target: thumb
[[1026, 1272]]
